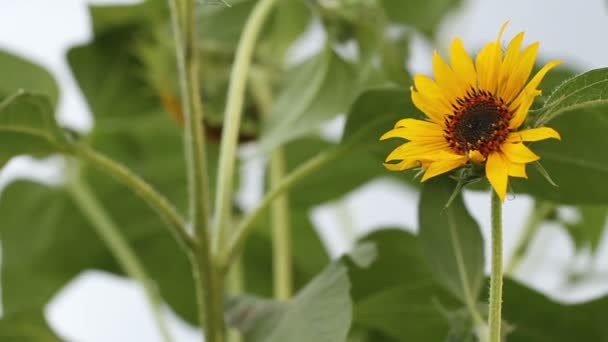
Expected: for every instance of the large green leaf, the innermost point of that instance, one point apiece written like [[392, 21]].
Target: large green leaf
[[397, 297], [61, 243], [583, 91], [27, 126], [588, 231], [319, 89], [535, 317], [321, 311], [451, 240], [20, 74], [26, 326]]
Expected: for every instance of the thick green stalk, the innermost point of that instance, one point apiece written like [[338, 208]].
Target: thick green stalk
[[234, 286], [494, 312], [84, 197], [144, 190], [232, 119], [184, 32], [242, 232], [536, 217]]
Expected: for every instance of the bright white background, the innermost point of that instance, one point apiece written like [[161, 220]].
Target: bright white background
[[97, 307]]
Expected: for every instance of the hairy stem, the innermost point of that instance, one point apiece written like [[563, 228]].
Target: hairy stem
[[158, 202], [536, 217], [232, 119], [184, 32], [494, 312], [84, 197]]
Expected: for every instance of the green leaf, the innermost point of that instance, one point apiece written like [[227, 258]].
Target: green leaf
[[584, 91], [396, 298], [318, 90], [424, 16], [308, 253], [578, 163], [27, 126], [26, 326], [19, 74], [321, 311], [588, 231], [61, 243], [535, 317], [451, 240]]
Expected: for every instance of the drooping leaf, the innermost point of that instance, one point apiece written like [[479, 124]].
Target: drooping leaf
[[321, 311], [451, 240], [26, 326], [27, 126]]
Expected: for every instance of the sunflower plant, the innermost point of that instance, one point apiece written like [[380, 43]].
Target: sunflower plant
[[179, 89]]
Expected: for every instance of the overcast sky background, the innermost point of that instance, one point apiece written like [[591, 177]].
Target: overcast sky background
[[97, 307]]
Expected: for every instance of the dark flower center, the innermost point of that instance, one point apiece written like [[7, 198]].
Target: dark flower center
[[480, 122]]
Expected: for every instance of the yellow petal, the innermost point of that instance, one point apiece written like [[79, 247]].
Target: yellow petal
[[462, 64], [509, 64], [414, 135], [533, 134], [520, 73], [532, 86], [497, 168], [517, 170], [488, 63], [518, 153], [431, 107], [524, 103], [476, 156], [416, 151], [403, 165], [439, 167], [447, 80]]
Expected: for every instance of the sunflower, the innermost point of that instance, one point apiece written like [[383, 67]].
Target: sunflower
[[474, 111]]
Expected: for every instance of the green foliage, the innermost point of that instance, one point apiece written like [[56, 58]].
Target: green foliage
[[20, 74], [421, 15], [588, 231], [27, 326], [321, 311], [27, 126], [451, 240]]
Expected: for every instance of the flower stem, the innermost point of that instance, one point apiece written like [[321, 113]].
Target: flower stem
[[84, 197], [144, 190], [242, 232], [183, 18], [536, 217], [496, 273], [232, 119]]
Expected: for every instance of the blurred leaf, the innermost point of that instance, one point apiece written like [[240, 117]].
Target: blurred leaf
[[27, 126], [587, 90], [308, 252], [20, 74], [321, 311], [535, 317], [588, 231], [61, 244], [26, 326], [578, 163], [451, 240], [319, 89], [397, 298], [424, 16]]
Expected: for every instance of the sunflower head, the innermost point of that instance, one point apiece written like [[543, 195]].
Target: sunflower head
[[474, 110]]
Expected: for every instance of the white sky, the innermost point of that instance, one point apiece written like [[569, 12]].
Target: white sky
[[100, 308]]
